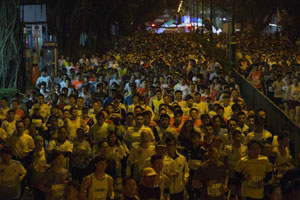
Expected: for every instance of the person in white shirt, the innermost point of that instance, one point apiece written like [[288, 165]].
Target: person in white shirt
[[182, 86], [62, 144], [132, 136], [44, 78], [179, 178], [139, 154], [259, 133], [277, 86]]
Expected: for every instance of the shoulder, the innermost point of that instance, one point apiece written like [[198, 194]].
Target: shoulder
[[109, 178]]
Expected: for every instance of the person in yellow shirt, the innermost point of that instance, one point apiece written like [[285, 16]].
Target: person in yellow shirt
[[254, 171]]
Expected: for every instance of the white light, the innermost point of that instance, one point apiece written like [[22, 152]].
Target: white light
[[275, 25], [180, 5]]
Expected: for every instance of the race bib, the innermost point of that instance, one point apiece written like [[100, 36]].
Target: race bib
[[254, 182], [100, 194], [215, 190], [58, 189], [7, 181]]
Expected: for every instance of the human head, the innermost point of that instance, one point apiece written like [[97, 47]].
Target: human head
[[100, 164], [103, 147], [157, 162], [58, 159], [148, 177], [253, 149], [164, 120], [129, 186], [171, 144]]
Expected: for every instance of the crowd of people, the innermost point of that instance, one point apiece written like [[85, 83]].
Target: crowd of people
[[271, 64], [153, 118]]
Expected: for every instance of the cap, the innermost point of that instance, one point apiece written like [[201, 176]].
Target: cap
[[149, 171]]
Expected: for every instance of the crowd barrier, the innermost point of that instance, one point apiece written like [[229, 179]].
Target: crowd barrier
[[276, 118]]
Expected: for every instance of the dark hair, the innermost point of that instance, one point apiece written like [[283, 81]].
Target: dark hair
[[241, 113], [7, 150], [178, 112], [99, 158], [170, 138], [147, 113], [156, 157], [193, 109], [236, 132], [164, 116], [188, 97], [236, 107], [110, 133], [178, 91], [100, 114], [139, 115], [130, 113], [126, 179], [74, 184], [253, 142], [138, 107], [55, 154], [283, 135]]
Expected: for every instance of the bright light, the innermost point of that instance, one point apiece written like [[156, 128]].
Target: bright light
[[180, 5], [275, 25], [153, 25], [189, 25]]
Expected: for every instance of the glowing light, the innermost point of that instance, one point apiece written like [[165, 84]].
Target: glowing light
[[189, 25]]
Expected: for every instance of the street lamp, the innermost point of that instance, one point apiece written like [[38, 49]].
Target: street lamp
[[233, 38], [211, 20]]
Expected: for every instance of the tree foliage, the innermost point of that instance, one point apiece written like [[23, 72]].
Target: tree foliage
[[252, 14], [10, 55], [69, 18], [290, 19]]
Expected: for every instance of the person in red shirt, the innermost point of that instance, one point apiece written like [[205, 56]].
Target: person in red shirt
[[144, 89], [19, 112], [77, 82]]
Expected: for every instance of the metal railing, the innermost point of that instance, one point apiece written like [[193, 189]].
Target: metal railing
[[277, 119]]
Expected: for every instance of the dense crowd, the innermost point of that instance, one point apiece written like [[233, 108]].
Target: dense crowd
[[271, 64], [153, 118]]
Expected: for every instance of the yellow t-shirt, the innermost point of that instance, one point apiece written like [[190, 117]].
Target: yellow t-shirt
[[256, 170]]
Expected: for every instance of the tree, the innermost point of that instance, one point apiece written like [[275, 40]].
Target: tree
[[252, 14], [10, 40], [69, 18]]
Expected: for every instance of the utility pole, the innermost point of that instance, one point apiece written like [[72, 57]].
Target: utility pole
[[211, 20], [197, 15], [202, 29], [233, 38]]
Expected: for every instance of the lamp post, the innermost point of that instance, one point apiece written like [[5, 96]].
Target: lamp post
[[211, 20], [233, 38], [197, 14], [202, 31]]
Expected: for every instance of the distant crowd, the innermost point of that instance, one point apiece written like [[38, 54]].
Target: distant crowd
[[153, 118]]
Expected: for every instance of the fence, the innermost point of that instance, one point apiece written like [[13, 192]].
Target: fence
[[277, 118]]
